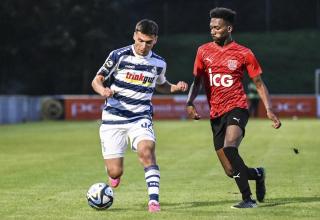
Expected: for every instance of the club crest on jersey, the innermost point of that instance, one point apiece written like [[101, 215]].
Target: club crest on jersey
[[108, 64], [232, 64], [154, 70]]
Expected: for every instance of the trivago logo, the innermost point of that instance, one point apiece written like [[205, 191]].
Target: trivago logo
[[139, 79]]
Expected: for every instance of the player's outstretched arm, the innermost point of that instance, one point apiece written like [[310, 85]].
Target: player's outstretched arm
[[97, 85], [193, 92], [264, 95], [168, 87]]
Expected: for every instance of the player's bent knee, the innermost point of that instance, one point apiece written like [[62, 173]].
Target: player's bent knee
[[146, 152], [147, 159]]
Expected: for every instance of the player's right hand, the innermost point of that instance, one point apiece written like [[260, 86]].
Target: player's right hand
[[106, 92], [192, 112]]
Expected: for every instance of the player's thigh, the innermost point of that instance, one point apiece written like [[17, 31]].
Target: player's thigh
[[114, 141], [218, 127], [235, 129], [233, 136], [146, 149], [142, 134]]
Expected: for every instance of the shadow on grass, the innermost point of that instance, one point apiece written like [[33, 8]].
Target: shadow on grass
[[266, 204], [288, 200], [183, 206], [195, 204]]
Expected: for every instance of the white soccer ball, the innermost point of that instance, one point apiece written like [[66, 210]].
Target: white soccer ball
[[100, 196]]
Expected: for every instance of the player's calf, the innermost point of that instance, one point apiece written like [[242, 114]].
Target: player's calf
[[260, 184]]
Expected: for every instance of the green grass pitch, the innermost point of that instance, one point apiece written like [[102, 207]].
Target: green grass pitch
[[47, 167]]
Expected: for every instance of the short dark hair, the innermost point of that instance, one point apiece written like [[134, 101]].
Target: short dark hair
[[147, 27], [224, 13]]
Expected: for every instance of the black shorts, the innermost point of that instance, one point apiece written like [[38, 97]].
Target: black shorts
[[237, 116]]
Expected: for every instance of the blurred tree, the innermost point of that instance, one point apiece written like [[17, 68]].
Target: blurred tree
[[56, 46], [52, 47]]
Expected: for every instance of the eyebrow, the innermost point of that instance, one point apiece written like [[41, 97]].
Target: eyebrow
[[147, 41]]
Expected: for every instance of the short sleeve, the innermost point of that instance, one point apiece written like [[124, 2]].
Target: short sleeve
[[198, 67], [162, 77], [108, 66], [252, 65]]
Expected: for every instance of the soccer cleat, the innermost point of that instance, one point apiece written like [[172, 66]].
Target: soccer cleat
[[153, 206], [260, 185], [114, 183], [247, 203]]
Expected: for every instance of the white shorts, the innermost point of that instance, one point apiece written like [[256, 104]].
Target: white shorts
[[115, 137]]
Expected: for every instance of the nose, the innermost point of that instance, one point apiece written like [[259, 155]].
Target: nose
[[144, 45]]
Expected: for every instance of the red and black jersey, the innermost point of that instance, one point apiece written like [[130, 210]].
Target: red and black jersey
[[222, 69]]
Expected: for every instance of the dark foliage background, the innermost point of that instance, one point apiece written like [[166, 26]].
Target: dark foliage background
[[56, 46]]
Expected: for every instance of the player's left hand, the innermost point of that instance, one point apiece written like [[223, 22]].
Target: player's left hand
[[276, 122], [181, 86]]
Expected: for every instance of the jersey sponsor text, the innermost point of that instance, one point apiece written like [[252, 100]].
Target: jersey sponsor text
[[139, 78]]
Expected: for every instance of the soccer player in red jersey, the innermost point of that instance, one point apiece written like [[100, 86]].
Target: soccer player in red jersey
[[219, 66]]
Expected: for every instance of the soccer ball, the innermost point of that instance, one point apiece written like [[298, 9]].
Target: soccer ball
[[100, 196]]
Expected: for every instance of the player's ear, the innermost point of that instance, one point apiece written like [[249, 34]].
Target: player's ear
[[230, 28], [155, 40], [134, 36]]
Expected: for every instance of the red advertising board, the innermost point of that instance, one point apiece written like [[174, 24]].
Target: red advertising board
[[77, 108], [164, 107], [292, 106], [173, 107]]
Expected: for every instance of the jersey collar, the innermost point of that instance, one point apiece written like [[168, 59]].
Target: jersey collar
[[225, 47]]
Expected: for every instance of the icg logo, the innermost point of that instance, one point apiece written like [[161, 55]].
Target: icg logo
[[218, 79]]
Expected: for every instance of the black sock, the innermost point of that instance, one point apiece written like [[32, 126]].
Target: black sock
[[240, 171], [253, 174]]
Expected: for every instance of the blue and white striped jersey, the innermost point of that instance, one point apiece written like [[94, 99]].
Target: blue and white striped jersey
[[133, 80]]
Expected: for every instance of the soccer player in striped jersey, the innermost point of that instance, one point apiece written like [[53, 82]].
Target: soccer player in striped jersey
[[127, 80], [220, 66]]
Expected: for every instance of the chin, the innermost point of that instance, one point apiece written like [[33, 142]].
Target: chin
[[215, 39], [219, 41], [142, 53]]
